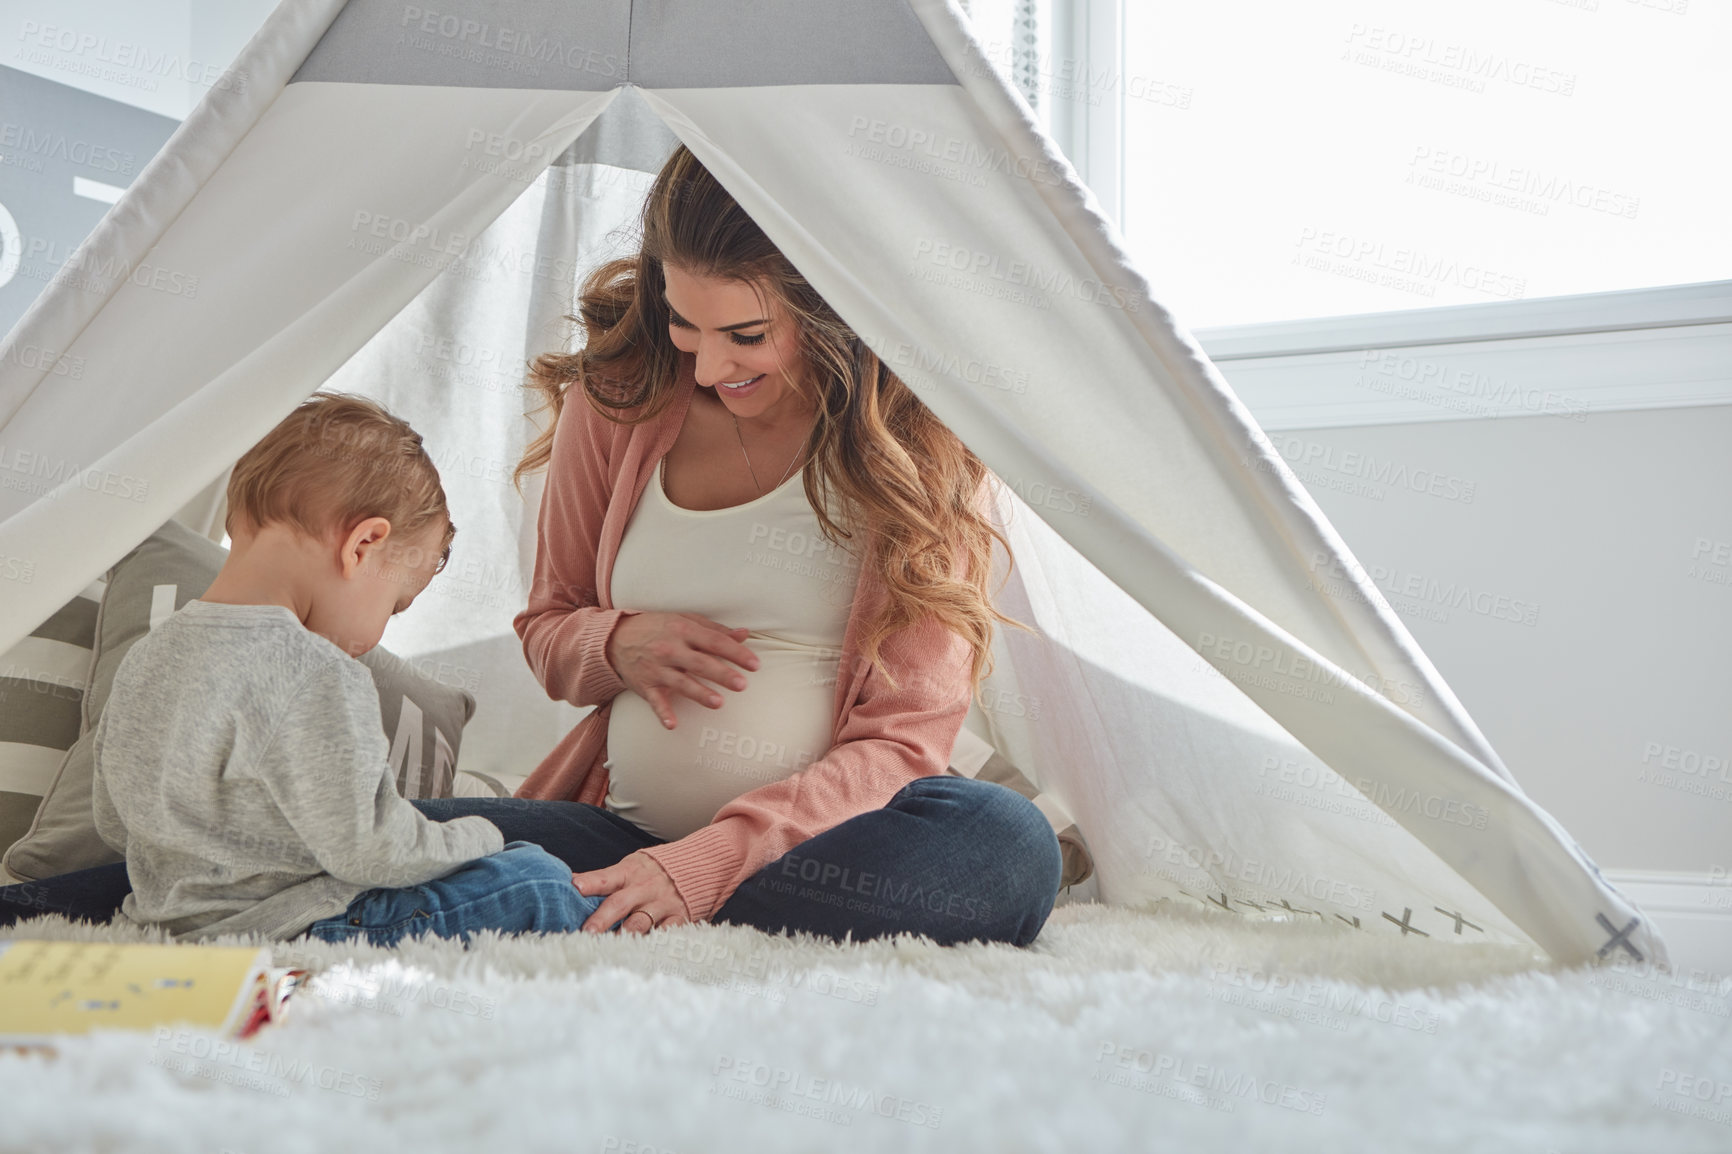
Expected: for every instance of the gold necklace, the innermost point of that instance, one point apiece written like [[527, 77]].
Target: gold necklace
[[753, 471]]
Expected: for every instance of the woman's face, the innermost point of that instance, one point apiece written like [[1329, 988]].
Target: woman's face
[[722, 324]]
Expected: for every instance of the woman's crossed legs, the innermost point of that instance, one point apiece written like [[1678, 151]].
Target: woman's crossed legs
[[949, 857]]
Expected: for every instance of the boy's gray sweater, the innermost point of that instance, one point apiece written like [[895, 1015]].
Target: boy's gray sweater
[[242, 768]]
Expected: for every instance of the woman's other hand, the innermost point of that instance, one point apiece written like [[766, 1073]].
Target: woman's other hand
[[660, 654], [639, 891]]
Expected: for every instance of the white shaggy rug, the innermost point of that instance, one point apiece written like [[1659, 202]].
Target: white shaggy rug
[[1173, 1030]]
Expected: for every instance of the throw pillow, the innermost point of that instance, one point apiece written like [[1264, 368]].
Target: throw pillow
[[42, 680]]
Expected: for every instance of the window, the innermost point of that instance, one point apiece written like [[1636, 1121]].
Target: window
[[1286, 161], [1269, 161]]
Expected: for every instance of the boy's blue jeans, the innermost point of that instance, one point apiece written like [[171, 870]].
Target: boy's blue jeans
[[521, 889]]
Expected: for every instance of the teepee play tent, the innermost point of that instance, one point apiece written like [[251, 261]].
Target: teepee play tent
[[400, 200]]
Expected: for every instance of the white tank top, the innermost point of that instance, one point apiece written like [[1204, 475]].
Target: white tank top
[[766, 566]]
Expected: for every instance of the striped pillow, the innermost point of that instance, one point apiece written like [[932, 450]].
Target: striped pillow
[[42, 684]]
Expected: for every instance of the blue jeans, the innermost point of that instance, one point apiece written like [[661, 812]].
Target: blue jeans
[[521, 889], [949, 857]]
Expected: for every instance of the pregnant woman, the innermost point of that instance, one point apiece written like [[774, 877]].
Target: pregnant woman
[[766, 562]]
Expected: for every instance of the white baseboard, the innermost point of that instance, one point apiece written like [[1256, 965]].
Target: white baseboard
[[1693, 912]]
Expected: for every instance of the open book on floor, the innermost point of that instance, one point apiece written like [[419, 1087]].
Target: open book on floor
[[49, 990]]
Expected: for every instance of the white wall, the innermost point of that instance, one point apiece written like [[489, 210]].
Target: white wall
[[1596, 529], [1543, 490]]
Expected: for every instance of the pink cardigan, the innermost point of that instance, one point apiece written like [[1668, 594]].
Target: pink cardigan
[[882, 739]]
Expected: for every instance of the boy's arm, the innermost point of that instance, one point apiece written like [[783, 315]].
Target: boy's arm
[[326, 766]]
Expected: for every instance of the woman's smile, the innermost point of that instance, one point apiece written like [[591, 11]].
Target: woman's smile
[[750, 385]]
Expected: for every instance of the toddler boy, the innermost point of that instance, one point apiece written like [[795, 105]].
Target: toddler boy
[[241, 763]]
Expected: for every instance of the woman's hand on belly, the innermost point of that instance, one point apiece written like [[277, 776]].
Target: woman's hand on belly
[[672, 781], [660, 654]]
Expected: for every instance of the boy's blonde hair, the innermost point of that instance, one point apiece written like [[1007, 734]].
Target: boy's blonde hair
[[333, 462]]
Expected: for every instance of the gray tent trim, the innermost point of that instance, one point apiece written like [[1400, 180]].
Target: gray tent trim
[[655, 43]]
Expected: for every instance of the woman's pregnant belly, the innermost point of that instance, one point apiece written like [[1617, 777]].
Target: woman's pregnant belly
[[670, 782]]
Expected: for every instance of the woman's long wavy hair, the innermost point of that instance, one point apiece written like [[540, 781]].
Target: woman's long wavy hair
[[894, 465]]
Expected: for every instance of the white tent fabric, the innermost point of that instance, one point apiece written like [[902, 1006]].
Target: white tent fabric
[[400, 201]]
